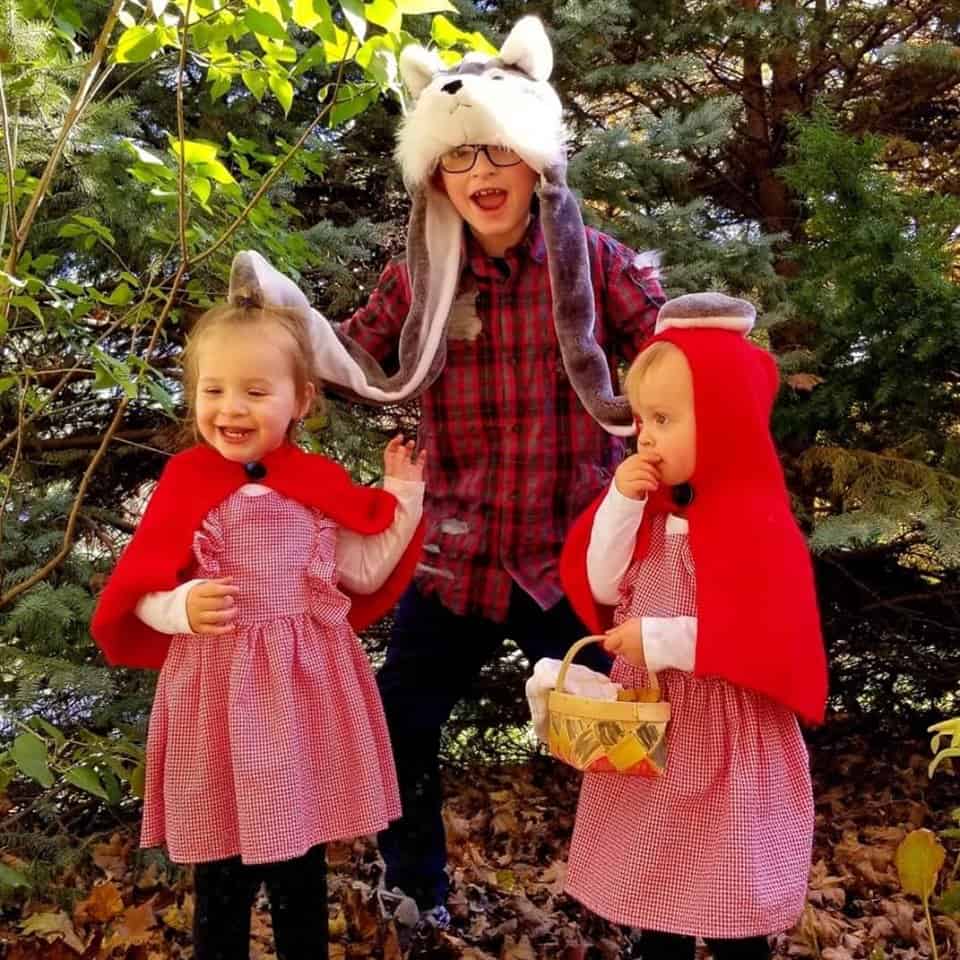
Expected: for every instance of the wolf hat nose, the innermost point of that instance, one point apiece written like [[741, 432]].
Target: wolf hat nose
[[452, 87]]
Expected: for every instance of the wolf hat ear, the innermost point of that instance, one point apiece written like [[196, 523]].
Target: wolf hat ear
[[505, 100], [418, 67], [528, 49]]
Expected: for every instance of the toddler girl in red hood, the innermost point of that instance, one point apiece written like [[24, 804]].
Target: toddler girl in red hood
[[695, 558]]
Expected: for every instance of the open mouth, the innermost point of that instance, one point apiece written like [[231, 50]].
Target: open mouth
[[489, 199], [234, 434]]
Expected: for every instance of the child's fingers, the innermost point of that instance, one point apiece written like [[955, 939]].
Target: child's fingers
[[215, 589]]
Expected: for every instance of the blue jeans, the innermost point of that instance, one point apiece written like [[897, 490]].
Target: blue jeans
[[433, 658]]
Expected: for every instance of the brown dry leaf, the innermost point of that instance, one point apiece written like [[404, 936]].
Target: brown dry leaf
[[53, 925], [803, 381], [338, 854], [504, 822], [179, 917], [391, 944], [517, 950], [836, 953], [337, 926], [103, 904], [900, 914], [133, 928], [555, 876], [111, 857], [151, 878]]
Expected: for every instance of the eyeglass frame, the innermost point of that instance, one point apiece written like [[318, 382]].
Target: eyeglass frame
[[477, 148]]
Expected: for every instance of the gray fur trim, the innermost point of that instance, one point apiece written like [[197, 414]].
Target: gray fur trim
[[574, 312], [707, 310]]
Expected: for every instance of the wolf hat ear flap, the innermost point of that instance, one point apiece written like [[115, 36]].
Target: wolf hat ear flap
[[506, 100]]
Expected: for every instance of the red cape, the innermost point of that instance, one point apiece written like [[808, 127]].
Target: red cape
[[757, 620], [160, 555]]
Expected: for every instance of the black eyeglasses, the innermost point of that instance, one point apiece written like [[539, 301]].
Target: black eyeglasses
[[461, 159]]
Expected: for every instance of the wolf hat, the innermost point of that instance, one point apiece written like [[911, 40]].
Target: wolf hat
[[504, 100]]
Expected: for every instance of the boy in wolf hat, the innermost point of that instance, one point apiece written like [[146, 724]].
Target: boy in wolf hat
[[506, 318]]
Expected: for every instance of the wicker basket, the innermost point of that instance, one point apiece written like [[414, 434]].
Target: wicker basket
[[625, 736]]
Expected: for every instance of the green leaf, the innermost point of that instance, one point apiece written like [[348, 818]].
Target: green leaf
[[200, 187], [215, 170], [195, 151], [260, 22], [121, 296], [138, 780], [29, 753], [314, 57], [919, 859], [384, 13], [413, 7], [949, 902], [28, 303], [86, 779], [282, 89], [38, 723], [353, 11], [446, 35], [354, 101], [137, 44], [12, 879], [315, 15], [255, 82], [220, 82], [339, 48]]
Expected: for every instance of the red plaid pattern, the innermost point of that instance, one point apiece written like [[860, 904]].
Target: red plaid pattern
[[271, 739], [513, 457], [720, 845]]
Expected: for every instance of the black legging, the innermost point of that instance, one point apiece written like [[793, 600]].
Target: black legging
[[223, 895], [673, 946]]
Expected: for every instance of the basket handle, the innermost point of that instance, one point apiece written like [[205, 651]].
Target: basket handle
[[576, 648]]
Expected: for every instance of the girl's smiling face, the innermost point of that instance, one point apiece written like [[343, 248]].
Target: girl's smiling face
[[661, 396], [247, 395]]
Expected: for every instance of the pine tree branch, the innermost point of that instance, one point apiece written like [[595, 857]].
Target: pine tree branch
[[76, 107]]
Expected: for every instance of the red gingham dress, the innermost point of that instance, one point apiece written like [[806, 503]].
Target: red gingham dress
[[271, 739], [720, 845]]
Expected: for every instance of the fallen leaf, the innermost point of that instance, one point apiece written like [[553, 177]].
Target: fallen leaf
[[103, 903], [53, 925], [111, 857]]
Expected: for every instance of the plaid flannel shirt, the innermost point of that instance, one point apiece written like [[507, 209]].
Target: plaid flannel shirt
[[512, 456]]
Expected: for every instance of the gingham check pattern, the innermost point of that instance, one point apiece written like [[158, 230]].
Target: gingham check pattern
[[720, 845], [513, 458], [271, 739]]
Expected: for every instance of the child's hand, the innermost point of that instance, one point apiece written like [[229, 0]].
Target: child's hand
[[638, 475], [626, 640], [210, 607], [399, 461]]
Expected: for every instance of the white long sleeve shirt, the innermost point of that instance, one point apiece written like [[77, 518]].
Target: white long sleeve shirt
[[667, 641]]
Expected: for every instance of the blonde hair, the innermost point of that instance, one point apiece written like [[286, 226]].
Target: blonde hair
[[248, 314], [645, 361]]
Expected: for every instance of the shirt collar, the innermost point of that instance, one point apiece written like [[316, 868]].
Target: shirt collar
[[532, 246]]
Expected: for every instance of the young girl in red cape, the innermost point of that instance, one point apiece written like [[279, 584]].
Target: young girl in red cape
[[694, 556], [245, 580]]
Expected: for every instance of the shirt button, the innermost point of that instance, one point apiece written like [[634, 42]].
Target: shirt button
[[516, 428], [514, 495]]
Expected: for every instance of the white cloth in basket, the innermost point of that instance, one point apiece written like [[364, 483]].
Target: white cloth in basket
[[580, 680]]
